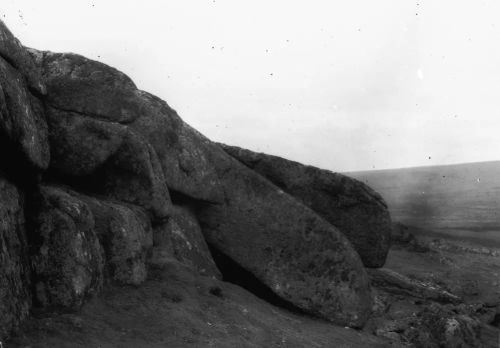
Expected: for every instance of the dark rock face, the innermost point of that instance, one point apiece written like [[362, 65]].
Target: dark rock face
[[80, 144], [234, 199], [18, 56], [15, 299], [89, 109], [68, 264], [125, 233], [109, 164], [87, 87], [99, 92], [22, 124], [184, 154], [348, 204], [287, 246], [181, 238], [111, 158]]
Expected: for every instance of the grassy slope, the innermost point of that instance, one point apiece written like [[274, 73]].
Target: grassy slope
[[462, 201]]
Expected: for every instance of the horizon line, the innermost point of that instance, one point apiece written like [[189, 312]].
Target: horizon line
[[420, 167]]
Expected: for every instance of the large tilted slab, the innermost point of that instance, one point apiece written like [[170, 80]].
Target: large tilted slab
[[287, 246], [350, 205]]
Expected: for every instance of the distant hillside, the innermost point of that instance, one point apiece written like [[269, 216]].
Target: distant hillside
[[459, 200]]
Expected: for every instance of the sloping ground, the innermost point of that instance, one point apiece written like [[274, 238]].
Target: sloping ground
[[177, 308], [439, 283], [453, 284], [458, 200]]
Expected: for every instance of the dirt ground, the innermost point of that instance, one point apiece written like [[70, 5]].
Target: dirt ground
[[176, 308]]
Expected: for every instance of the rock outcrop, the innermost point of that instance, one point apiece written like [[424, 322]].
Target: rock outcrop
[[128, 145], [117, 183], [348, 204]]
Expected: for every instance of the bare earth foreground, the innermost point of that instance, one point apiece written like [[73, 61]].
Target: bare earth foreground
[[176, 308]]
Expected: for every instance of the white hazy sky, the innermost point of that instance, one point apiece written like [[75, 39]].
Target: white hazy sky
[[344, 85]]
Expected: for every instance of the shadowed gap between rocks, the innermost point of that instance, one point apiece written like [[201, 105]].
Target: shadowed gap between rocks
[[235, 274], [496, 321], [179, 198], [231, 271], [16, 168]]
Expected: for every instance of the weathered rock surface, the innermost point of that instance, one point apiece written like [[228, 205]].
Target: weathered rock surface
[[107, 158], [22, 124], [122, 164], [100, 92], [287, 246], [18, 56], [186, 156], [348, 204], [68, 262], [399, 284], [15, 297], [243, 215], [181, 238], [126, 235]]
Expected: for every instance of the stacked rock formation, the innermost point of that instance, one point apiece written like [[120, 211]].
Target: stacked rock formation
[[100, 181]]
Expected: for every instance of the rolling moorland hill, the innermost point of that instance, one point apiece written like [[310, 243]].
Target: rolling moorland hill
[[461, 201]]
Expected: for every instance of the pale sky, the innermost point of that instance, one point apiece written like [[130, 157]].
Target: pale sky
[[344, 85]]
